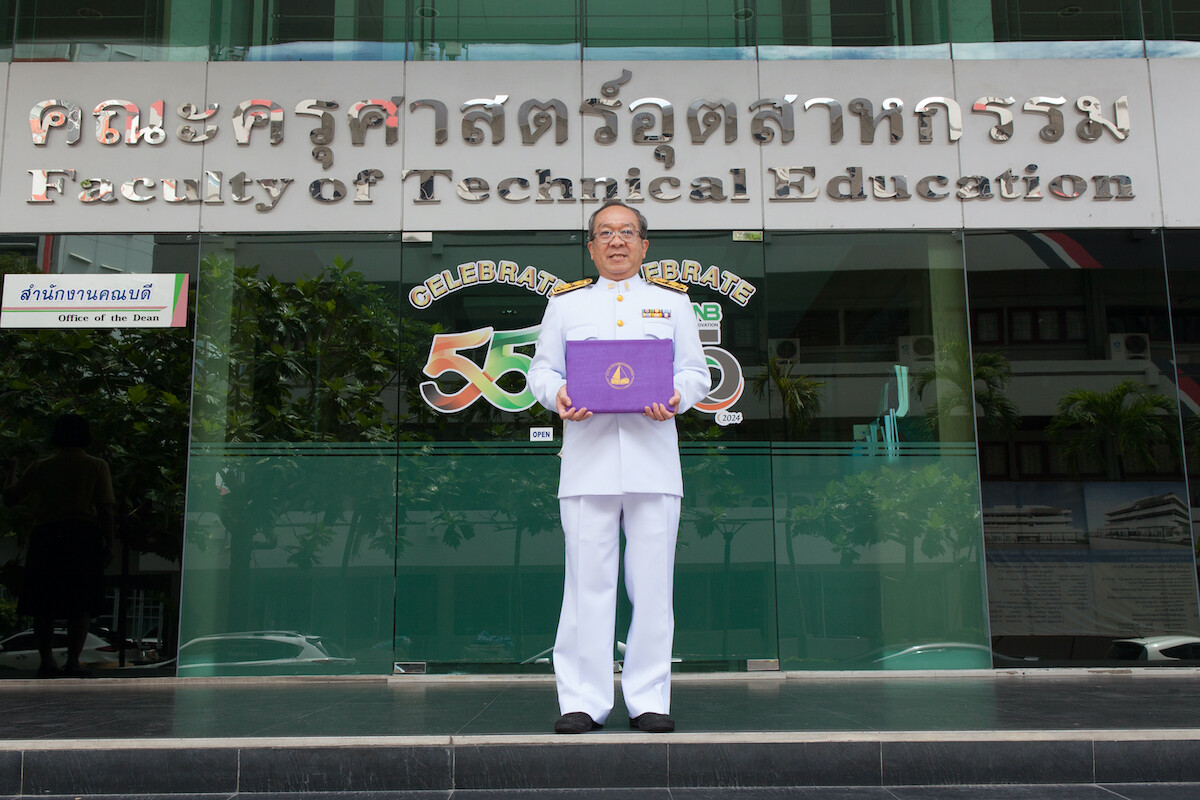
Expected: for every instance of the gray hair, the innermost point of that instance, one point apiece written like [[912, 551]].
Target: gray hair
[[644, 228]]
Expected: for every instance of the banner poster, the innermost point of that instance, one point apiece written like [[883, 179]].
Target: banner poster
[[128, 300], [458, 379], [1089, 559]]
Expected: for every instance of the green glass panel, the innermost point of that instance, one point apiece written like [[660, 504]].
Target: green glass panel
[[308, 30], [876, 509], [1184, 281], [8, 10], [445, 30], [669, 29], [473, 302], [879, 564], [111, 30], [1172, 27], [724, 276], [1085, 510], [725, 561], [474, 30], [132, 385], [498, 491], [479, 567], [1039, 29], [289, 560], [291, 533], [724, 576], [295, 342], [479, 555], [824, 29]]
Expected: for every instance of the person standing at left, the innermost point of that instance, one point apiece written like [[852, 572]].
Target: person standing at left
[[70, 544]]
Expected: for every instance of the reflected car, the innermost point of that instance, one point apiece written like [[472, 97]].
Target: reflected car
[[1162, 649], [259, 653], [948, 655], [101, 649]]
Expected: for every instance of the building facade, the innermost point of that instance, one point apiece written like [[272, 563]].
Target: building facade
[[941, 254]]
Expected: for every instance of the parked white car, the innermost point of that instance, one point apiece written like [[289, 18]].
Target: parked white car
[[1156, 648], [259, 652], [100, 649]]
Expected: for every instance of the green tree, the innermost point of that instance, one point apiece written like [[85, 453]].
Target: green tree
[[799, 395], [300, 362], [317, 361], [1115, 427], [132, 384], [932, 510], [964, 391], [929, 509]]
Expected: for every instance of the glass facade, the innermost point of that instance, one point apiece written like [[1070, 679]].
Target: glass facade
[[1082, 475], [878, 540], [133, 385], [466, 30], [955, 448]]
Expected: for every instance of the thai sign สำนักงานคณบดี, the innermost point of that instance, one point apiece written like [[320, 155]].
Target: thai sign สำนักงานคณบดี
[[94, 301]]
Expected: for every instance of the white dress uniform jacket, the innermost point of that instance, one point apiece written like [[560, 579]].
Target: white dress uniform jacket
[[610, 454]]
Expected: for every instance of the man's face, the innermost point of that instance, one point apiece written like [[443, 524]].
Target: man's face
[[617, 259]]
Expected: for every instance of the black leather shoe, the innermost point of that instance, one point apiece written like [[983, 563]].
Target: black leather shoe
[[652, 723], [575, 722]]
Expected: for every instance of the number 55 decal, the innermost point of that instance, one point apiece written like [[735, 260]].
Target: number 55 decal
[[445, 356]]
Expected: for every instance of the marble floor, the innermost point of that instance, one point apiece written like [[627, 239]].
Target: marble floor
[[1054, 700], [1036, 735]]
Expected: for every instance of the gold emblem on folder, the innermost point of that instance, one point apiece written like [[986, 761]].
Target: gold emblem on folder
[[619, 375]]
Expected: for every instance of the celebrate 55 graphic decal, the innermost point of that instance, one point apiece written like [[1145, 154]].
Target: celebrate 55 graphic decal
[[509, 351]]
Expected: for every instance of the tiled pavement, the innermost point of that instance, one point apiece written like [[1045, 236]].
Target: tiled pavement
[[1044, 735]]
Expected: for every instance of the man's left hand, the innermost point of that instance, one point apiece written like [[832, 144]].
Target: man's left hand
[[661, 412]]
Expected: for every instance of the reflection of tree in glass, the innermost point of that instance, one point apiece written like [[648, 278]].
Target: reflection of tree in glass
[[132, 384], [929, 508], [307, 361], [1191, 443], [800, 395], [963, 391], [315, 361], [1118, 426], [441, 495]]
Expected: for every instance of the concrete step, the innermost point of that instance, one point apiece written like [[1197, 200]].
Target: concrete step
[[626, 761]]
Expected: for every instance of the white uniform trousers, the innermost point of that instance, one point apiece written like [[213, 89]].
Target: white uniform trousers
[[583, 649]]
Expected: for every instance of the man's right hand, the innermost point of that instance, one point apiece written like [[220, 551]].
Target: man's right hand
[[565, 410]]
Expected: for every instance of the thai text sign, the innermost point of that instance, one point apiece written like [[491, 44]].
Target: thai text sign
[[94, 301], [418, 147]]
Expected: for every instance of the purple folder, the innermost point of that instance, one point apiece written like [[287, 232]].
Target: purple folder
[[608, 376]]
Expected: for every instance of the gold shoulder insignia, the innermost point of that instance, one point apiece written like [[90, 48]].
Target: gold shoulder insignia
[[570, 287], [674, 286]]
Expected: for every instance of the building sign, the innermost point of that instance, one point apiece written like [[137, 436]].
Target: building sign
[[419, 146], [94, 301]]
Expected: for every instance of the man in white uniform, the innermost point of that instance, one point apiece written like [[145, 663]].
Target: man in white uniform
[[619, 471]]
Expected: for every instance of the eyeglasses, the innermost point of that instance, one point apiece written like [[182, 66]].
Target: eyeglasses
[[606, 236]]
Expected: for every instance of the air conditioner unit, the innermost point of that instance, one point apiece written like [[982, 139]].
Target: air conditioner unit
[[915, 349], [1129, 346], [784, 351]]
